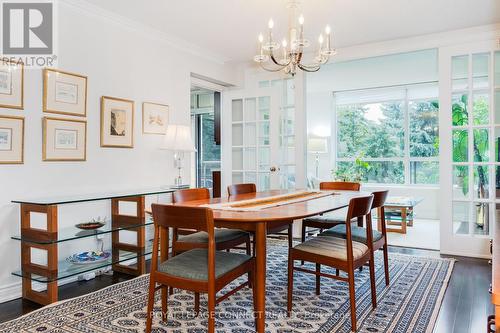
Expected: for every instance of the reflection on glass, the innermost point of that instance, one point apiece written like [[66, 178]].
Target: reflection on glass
[[264, 181], [287, 177], [237, 110], [250, 159], [237, 135], [497, 69], [423, 172], [481, 145], [460, 217], [497, 106], [250, 109], [480, 218], [480, 70], [250, 134], [460, 72], [264, 102], [459, 113], [263, 84], [237, 159], [460, 145], [460, 182], [481, 109], [264, 133], [264, 158], [481, 182], [251, 177]]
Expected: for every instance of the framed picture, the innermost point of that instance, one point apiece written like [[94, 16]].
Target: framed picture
[[117, 122], [11, 84], [64, 139], [64, 93], [154, 118], [11, 140]]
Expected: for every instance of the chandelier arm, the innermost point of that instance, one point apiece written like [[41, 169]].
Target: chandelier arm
[[271, 69], [277, 63], [309, 69]]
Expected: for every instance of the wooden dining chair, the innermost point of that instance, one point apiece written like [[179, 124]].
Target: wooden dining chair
[[278, 228], [326, 221], [201, 270], [185, 239], [344, 254], [359, 233]]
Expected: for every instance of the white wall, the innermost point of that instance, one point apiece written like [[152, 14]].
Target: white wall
[[395, 69], [119, 61]]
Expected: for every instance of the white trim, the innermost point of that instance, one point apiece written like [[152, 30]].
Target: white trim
[[155, 34], [10, 291]]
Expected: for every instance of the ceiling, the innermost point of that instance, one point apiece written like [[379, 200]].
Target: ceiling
[[229, 28]]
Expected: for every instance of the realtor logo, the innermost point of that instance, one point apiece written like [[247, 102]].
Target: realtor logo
[[27, 28]]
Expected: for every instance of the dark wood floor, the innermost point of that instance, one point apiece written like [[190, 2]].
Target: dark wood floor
[[465, 307]]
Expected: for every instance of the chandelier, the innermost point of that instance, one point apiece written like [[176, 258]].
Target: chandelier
[[292, 54]]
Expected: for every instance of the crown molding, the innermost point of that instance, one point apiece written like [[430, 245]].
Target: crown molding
[[151, 33]]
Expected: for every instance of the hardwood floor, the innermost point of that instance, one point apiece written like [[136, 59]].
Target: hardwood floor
[[465, 306]]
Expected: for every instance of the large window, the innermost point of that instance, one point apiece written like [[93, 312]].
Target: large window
[[388, 135]]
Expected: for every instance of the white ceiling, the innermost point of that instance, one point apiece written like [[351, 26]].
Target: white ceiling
[[229, 28]]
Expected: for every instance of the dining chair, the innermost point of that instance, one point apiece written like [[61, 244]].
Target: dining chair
[[201, 270], [278, 228], [184, 239], [359, 233], [328, 220], [344, 254]]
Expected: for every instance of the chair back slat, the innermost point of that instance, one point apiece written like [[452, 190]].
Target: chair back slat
[[359, 207], [190, 194], [195, 218], [241, 189], [379, 198], [340, 186]]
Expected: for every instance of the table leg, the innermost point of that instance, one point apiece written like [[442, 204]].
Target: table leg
[[403, 220], [260, 276]]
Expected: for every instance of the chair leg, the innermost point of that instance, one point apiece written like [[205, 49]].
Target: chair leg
[[164, 302], [352, 299], [303, 237], [373, 287], [290, 235], [290, 285], [151, 302], [337, 271], [248, 246], [253, 245], [211, 312], [318, 279], [386, 265], [196, 304], [360, 268]]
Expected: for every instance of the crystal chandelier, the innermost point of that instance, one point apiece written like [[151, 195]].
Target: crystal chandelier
[[292, 55]]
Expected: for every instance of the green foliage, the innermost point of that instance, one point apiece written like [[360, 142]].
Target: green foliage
[[352, 173]]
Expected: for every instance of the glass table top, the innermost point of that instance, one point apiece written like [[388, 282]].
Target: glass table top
[[403, 201], [66, 199]]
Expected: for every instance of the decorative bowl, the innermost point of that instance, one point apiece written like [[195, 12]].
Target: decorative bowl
[[88, 257]]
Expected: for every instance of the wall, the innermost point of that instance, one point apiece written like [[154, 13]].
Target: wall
[[396, 69], [119, 61]]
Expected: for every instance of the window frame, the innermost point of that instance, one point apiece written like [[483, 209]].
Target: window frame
[[406, 158]]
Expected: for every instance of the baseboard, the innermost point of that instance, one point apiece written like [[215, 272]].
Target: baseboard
[[463, 254], [10, 292]]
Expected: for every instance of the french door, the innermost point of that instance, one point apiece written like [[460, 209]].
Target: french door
[[470, 138], [258, 142]]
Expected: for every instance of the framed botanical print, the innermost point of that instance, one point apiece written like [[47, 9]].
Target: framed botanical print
[[64, 93], [11, 140], [117, 122], [154, 118], [64, 139], [11, 84]]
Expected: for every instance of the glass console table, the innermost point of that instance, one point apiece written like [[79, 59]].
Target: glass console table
[[49, 238], [398, 212]]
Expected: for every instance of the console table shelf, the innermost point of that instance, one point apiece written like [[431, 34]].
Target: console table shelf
[[49, 238]]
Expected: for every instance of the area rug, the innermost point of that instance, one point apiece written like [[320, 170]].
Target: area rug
[[409, 304]]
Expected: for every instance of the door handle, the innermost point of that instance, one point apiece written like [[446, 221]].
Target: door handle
[[274, 169]]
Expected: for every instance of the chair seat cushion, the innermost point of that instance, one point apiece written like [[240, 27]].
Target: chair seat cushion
[[221, 235], [332, 247], [358, 234], [193, 264], [335, 217]]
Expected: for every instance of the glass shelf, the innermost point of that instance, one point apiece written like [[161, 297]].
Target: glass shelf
[[72, 233], [67, 199], [67, 269]]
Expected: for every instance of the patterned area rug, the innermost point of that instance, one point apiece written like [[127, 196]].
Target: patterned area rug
[[410, 304]]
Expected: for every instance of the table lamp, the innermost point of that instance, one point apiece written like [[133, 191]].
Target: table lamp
[[317, 145], [178, 139]]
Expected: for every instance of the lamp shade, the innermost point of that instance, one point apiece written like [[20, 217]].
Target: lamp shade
[[317, 145], [178, 138]]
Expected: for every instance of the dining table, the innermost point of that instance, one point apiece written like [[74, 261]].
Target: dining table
[[260, 221]]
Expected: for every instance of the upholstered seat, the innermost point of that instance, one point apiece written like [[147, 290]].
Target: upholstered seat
[[358, 234], [332, 247], [335, 217], [221, 235], [193, 264]]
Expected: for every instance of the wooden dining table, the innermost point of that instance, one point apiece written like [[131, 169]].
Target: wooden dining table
[[258, 222]]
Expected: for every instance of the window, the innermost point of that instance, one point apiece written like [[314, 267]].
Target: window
[[388, 135]]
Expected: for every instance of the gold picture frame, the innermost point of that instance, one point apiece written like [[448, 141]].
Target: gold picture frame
[[117, 133], [158, 113], [8, 100], [63, 96], [68, 138], [5, 156]]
